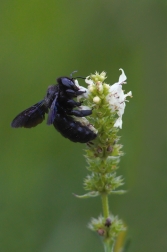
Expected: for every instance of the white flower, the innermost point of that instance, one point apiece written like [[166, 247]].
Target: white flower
[[116, 98], [81, 88], [88, 80]]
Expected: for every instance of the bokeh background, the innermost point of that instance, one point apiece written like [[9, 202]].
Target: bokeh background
[[39, 169]]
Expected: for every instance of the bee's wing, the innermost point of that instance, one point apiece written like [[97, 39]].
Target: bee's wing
[[31, 117], [52, 111]]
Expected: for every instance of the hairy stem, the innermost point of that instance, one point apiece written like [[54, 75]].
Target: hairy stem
[[108, 245], [105, 205]]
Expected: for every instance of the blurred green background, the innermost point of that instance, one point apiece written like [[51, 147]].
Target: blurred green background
[[40, 41]]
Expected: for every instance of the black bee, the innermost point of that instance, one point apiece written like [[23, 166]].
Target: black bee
[[59, 105]]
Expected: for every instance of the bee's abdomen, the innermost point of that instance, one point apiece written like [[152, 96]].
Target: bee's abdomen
[[72, 129]]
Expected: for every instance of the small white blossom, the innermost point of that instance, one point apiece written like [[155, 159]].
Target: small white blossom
[[81, 88], [88, 80], [116, 98]]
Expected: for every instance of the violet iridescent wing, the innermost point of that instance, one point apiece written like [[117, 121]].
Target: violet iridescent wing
[[52, 111], [31, 117]]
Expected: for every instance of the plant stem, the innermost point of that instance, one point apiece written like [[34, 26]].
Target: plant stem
[[105, 205], [107, 244], [108, 247]]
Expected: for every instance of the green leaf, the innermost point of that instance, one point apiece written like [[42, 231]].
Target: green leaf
[[118, 192], [87, 195]]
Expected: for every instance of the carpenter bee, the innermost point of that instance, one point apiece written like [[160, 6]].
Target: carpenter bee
[[59, 104]]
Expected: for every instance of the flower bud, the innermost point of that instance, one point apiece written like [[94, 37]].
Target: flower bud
[[99, 87], [91, 88], [96, 100], [106, 86]]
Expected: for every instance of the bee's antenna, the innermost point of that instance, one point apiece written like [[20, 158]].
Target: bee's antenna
[[73, 73], [79, 77]]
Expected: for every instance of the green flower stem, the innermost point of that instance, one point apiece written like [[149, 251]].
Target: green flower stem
[[105, 205], [107, 247], [107, 244]]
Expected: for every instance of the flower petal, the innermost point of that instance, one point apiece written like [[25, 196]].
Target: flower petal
[[122, 77], [118, 123], [88, 81]]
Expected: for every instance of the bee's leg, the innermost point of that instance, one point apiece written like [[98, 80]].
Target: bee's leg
[[80, 113], [74, 93], [73, 103]]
